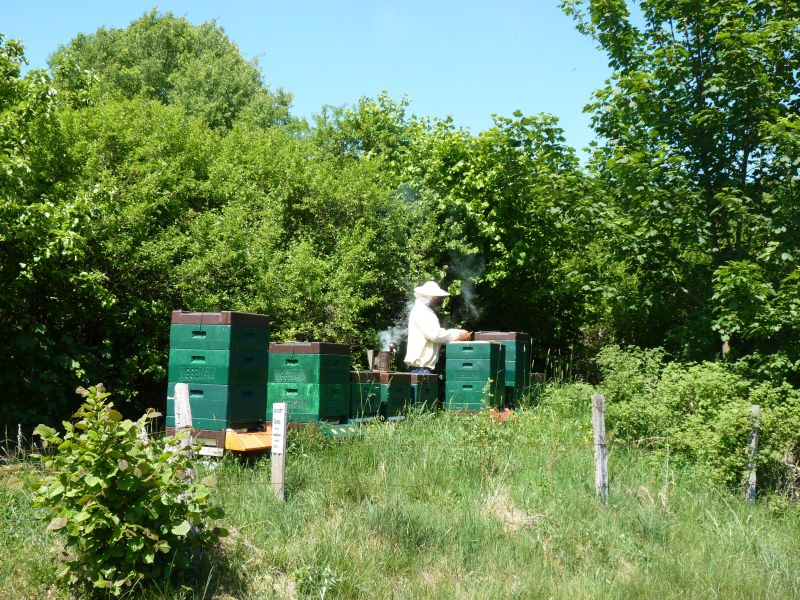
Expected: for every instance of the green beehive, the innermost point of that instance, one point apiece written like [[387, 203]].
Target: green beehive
[[223, 357], [395, 393], [308, 368], [221, 406], [313, 378], [365, 394], [517, 362], [474, 375], [478, 369], [517, 383], [219, 337], [474, 350], [425, 390], [220, 367], [310, 402], [472, 395]]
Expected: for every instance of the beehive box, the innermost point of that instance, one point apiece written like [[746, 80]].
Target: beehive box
[[223, 357], [227, 330], [472, 395], [365, 394], [474, 375], [308, 368], [313, 378], [217, 407], [219, 337], [218, 367], [395, 393], [425, 390], [310, 402], [517, 361], [309, 348]]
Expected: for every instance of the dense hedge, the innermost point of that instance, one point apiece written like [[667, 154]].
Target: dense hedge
[[151, 168]]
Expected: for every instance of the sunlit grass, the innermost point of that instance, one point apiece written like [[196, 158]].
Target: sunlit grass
[[458, 506]]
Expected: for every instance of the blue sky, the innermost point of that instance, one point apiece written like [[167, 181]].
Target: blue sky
[[466, 59]]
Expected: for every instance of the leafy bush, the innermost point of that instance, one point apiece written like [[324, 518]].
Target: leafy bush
[[701, 412], [125, 504]]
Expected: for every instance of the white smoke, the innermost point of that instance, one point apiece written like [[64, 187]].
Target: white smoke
[[467, 269], [397, 332]]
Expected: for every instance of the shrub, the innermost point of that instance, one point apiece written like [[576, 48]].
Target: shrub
[[701, 412], [124, 503]]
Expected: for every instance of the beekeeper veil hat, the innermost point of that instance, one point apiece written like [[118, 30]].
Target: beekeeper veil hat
[[430, 289]]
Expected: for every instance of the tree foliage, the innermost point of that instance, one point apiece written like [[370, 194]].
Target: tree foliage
[[696, 123], [166, 58], [701, 412], [152, 169]]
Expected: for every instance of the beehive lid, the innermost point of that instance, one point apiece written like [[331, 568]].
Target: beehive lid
[[501, 336], [364, 376], [396, 378], [417, 378], [226, 317], [308, 348]]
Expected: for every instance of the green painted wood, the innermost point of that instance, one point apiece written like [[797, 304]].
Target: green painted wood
[[480, 369], [472, 396], [516, 376], [220, 367], [309, 368], [516, 349], [394, 398], [365, 399], [212, 424], [219, 337], [308, 402], [475, 350], [234, 404], [425, 395]]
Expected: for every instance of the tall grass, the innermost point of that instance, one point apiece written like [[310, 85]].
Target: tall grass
[[462, 506]]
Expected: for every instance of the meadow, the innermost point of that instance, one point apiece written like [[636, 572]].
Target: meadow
[[460, 506]]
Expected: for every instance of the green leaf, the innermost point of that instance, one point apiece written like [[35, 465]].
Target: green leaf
[[182, 528], [58, 523]]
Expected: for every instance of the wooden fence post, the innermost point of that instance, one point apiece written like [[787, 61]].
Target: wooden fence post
[[183, 424], [750, 485], [183, 416], [19, 438], [600, 452], [278, 458]]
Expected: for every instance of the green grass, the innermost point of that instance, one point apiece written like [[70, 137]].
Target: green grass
[[455, 506]]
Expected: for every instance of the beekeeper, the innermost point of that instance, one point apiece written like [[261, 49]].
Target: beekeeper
[[425, 335]]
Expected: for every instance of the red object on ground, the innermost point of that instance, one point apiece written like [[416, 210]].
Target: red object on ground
[[502, 416]]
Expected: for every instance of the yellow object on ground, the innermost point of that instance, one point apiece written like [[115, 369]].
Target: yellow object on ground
[[251, 441]]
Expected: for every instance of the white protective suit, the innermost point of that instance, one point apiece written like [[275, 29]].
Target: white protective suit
[[425, 335]]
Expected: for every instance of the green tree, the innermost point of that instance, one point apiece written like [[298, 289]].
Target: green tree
[[44, 285], [166, 58], [499, 216], [691, 155], [507, 205]]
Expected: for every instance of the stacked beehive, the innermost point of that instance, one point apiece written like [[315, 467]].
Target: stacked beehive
[[395, 390], [223, 357], [517, 362], [365, 394], [474, 375], [425, 391], [313, 379]]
